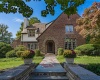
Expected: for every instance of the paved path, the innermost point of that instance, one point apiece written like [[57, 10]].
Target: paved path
[[49, 64]]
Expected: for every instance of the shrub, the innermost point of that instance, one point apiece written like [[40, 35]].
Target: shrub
[[60, 51], [85, 49], [18, 53], [37, 52], [4, 48], [20, 48], [27, 54], [94, 68], [11, 54], [96, 52], [78, 52], [69, 54]]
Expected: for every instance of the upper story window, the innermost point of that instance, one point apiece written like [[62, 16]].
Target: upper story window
[[31, 32], [69, 28]]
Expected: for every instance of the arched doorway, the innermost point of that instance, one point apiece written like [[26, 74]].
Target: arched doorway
[[50, 46]]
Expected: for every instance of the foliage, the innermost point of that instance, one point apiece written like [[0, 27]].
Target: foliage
[[69, 54], [11, 54], [37, 52], [96, 52], [27, 54], [18, 34], [20, 48], [85, 49], [4, 48], [89, 23], [60, 51], [94, 68], [5, 36], [32, 20], [78, 52], [18, 53], [67, 6], [14, 6]]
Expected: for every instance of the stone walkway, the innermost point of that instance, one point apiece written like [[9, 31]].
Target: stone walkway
[[50, 64], [49, 68]]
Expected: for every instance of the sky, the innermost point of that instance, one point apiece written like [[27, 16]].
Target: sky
[[14, 20]]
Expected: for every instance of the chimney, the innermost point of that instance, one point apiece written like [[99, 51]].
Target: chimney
[[26, 22]]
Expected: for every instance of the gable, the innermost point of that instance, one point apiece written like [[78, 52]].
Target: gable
[[59, 23]]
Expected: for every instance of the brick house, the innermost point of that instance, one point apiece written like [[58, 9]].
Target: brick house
[[59, 33]]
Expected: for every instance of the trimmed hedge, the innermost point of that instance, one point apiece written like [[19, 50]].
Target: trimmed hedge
[[86, 49], [60, 51], [89, 49], [37, 52]]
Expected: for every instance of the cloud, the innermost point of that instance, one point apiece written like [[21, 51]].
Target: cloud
[[18, 20]]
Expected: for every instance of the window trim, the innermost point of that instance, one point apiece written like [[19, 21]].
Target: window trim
[[29, 33], [68, 26]]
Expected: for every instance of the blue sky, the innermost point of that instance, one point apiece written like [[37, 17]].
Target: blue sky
[[14, 20]]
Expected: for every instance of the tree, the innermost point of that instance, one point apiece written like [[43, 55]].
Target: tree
[[89, 23], [5, 36], [34, 20], [31, 21], [13, 6]]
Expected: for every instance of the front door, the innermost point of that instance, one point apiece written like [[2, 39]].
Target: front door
[[50, 47]]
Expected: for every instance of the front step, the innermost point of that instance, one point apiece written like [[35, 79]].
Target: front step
[[49, 73], [48, 78]]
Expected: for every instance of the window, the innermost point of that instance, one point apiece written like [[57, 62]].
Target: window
[[31, 32], [70, 43], [69, 28], [32, 46]]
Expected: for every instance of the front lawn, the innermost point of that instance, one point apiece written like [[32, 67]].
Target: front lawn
[[91, 63], [82, 59], [6, 63]]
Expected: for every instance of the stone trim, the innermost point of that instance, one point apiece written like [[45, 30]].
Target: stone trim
[[75, 72], [19, 73]]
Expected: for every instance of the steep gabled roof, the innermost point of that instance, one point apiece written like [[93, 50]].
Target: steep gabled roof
[[54, 22]]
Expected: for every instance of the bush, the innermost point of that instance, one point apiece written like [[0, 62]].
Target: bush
[[60, 51], [85, 49], [20, 48], [18, 53], [94, 68], [69, 54], [11, 54], [78, 52], [37, 52], [96, 52], [4, 48], [27, 54]]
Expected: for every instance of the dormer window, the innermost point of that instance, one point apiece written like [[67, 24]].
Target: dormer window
[[31, 32], [69, 28]]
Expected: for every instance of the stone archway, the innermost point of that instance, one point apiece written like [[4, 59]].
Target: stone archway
[[50, 46]]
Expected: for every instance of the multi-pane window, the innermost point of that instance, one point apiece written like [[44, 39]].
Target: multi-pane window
[[31, 32], [69, 28], [32, 46], [70, 43]]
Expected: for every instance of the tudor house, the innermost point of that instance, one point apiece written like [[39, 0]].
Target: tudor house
[[59, 33]]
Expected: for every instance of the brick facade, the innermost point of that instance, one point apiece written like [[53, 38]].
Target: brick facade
[[56, 33]]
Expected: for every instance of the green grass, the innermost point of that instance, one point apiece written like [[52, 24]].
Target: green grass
[[6, 63], [82, 59]]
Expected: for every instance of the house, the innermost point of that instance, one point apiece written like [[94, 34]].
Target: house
[[59, 33]]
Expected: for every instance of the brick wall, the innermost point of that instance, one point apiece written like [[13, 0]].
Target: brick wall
[[56, 32]]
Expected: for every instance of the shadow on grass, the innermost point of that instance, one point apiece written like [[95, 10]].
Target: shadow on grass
[[95, 68]]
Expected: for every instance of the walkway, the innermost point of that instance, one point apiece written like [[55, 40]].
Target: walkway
[[49, 68]]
